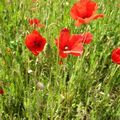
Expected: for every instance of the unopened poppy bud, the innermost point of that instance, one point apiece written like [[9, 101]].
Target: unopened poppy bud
[[39, 86], [1, 91]]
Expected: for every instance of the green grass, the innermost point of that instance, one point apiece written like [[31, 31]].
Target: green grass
[[82, 88]]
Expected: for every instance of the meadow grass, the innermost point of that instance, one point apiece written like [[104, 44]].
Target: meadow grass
[[82, 88]]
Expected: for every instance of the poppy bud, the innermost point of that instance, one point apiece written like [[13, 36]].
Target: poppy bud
[[39, 86]]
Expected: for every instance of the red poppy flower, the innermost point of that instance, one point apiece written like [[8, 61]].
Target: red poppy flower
[[116, 55], [69, 44], [84, 11], [35, 42], [1, 91], [35, 22]]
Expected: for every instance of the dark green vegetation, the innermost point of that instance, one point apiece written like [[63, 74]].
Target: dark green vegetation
[[83, 88]]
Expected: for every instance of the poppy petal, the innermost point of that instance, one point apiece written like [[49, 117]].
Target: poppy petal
[[87, 38], [35, 52], [75, 39], [77, 50], [35, 22], [87, 20], [116, 56], [79, 22], [78, 10], [62, 54], [64, 37], [35, 32], [91, 8], [98, 16]]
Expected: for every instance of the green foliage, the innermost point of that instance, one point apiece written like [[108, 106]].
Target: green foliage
[[82, 88]]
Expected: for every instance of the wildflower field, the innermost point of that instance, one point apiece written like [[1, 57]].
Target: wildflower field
[[59, 60]]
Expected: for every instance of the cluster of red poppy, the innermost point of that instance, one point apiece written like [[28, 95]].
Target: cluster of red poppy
[[83, 12], [66, 43]]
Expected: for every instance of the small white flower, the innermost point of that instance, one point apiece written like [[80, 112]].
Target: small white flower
[[67, 3], [30, 71]]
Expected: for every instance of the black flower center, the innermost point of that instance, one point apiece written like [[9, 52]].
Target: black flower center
[[37, 44]]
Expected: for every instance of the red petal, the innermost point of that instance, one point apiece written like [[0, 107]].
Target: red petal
[[87, 20], [78, 10], [75, 44], [62, 54], [62, 41], [64, 37], [75, 39], [77, 50], [91, 8], [35, 32], [41, 25], [98, 16], [34, 21], [79, 22], [29, 40], [116, 55], [35, 52], [87, 38]]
